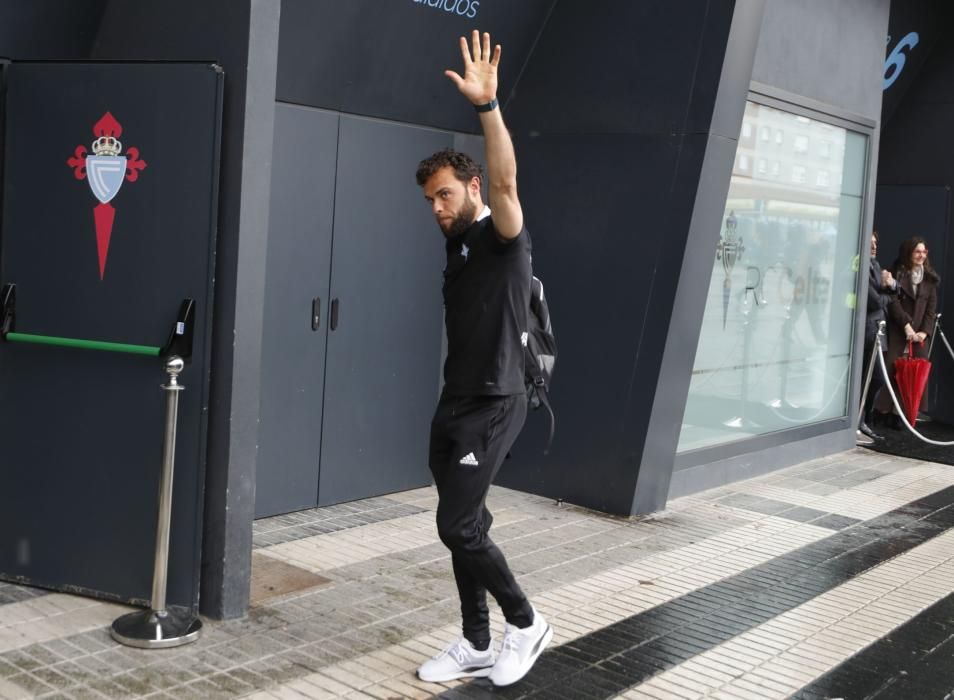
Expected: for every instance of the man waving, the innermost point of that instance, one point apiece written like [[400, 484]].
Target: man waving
[[483, 404]]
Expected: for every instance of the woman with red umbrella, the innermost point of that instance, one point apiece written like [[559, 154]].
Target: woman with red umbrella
[[912, 314]]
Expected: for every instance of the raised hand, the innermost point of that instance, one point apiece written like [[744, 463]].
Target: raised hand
[[479, 84]]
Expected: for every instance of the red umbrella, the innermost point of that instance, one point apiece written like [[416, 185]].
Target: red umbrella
[[911, 375]]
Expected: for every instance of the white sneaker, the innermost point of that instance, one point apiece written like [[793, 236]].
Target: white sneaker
[[520, 650], [459, 660]]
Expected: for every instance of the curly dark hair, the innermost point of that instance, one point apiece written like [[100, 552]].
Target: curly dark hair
[[903, 263], [464, 166]]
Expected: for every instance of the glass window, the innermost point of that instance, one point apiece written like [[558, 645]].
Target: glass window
[[779, 137], [801, 144], [824, 149], [746, 130], [765, 134], [822, 179], [775, 346], [763, 166], [776, 168], [798, 173]]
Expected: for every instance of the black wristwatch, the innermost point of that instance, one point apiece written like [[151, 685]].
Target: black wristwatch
[[492, 105]]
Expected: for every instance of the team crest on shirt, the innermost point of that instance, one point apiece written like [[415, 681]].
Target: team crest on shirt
[[464, 250]]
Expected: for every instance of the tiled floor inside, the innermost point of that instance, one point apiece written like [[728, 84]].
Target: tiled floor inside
[[830, 579]]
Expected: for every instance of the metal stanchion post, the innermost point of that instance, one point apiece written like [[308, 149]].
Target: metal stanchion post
[[158, 627], [937, 327], [876, 348]]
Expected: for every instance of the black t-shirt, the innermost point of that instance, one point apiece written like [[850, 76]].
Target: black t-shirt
[[486, 302]]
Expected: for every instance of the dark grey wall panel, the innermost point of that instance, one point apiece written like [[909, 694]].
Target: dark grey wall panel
[[603, 253], [298, 272], [386, 59], [625, 67], [915, 29], [608, 181], [918, 132], [688, 306], [49, 29], [832, 52], [381, 379]]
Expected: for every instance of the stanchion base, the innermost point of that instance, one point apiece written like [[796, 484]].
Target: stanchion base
[[151, 629]]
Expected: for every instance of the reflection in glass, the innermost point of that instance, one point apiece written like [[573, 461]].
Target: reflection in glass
[[775, 347]]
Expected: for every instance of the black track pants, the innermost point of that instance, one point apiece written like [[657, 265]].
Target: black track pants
[[470, 437]]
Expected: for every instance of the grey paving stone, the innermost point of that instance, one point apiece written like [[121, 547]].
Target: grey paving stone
[[116, 659], [14, 593], [828, 472], [295, 526], [175, 673], [190, 691], [52, 678], [756, 504], [31, 684], [214, 660], [820, 489], [250, 678], [96, 665], [81, 693], [8, 669], [856, 478], [835, 522], [310, 661], [138, 683], [90, 642], [793, 482], [63, 649], [231, 684], [22, 660], [207, 689], [802, 514], [278, 669], [75, 673]]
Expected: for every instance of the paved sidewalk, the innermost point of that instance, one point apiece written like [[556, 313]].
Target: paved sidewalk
[[829, 579]]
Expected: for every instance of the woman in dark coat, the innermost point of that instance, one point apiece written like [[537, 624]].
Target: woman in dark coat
[[912, 314]]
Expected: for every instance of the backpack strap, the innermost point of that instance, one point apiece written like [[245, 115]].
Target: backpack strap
[[545, 402], [540, 391]]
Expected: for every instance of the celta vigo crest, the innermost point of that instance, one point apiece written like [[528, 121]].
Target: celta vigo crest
[[105, 170]]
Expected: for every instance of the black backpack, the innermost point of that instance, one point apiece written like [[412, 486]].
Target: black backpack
[[540, 352]]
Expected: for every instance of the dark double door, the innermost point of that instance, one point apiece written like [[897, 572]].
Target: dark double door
[[352, 334]]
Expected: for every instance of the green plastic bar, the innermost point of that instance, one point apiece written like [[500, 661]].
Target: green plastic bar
[[85, 344]]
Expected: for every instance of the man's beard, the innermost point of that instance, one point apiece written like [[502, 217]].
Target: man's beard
[[462, 221]]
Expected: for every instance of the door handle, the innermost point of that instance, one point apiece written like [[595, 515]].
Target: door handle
[[315, 313], [334, 314]]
